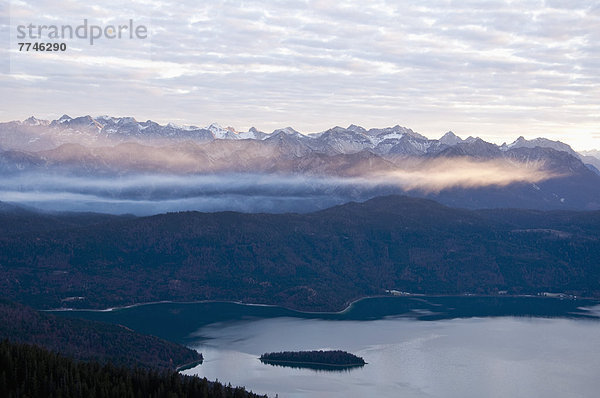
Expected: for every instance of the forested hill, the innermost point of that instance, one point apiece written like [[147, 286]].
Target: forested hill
[[29, 371], [16, 220], [88, 340], [316, 261]]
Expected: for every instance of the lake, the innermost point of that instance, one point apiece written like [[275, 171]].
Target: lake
[[414, 346]]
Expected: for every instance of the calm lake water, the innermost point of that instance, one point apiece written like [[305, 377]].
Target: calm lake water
[[415, 347]]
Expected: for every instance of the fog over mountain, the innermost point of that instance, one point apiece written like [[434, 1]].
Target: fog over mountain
[[120, 165]]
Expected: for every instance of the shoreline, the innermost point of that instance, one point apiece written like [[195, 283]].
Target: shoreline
[[346, 309], [124, 307], [189, 365]]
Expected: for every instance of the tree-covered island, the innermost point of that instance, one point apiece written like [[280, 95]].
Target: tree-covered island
[[336, 358]]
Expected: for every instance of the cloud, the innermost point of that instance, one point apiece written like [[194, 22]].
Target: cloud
[[433, 176], [151, 193], [479, 68]]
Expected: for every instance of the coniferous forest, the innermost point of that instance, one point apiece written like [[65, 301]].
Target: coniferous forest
[[319, 261], [91, 341], [330, 357], [30, 371]]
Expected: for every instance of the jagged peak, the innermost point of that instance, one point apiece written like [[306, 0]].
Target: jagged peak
[[358, 129], [450, 134], [338, 129], [345, 139], [33, 121], [450, 139], [286, 130], [541, 142], [126, 120]]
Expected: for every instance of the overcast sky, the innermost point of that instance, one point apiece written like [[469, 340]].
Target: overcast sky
[[494, 69]]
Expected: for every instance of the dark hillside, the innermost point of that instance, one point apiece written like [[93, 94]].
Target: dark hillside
[[88, 340], [317, 261]]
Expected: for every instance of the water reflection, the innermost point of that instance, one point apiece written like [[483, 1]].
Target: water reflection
[[179, 321], [415, 346], [313, 366], [475, 357]]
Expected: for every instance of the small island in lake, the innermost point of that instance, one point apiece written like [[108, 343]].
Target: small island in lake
[[333, 359]]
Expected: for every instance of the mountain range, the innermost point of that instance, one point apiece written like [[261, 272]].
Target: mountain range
[[343, 164], [33, 134]]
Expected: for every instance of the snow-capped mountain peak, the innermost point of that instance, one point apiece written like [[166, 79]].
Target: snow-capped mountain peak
[[175, 126], [33, 121], [222, 133], [33, 134], [126, 120], [522, 142], [288, 131], [106, 119], [252, 134]]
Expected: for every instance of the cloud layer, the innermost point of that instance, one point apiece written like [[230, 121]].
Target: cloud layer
[[435, 175], [156, 193]]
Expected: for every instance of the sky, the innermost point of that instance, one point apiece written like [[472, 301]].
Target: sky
[[493, 69]]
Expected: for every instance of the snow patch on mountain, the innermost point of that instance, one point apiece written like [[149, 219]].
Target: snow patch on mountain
[[34, 134]]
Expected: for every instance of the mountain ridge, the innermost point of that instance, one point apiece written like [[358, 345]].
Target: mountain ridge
[[336, 165], [314, 261], [129, 128]]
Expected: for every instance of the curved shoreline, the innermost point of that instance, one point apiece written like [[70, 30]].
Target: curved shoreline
[[124, 307], [346, 309]]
